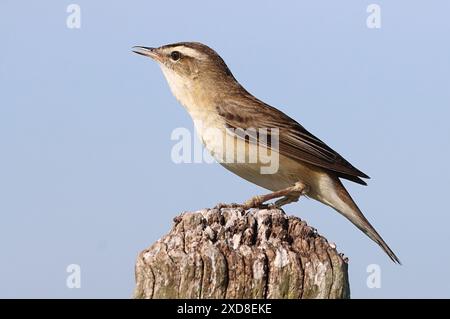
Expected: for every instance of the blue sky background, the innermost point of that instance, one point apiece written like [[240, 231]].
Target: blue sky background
[[85, 170]]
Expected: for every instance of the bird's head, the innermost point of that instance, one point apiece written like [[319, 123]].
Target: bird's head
[[189, 64]]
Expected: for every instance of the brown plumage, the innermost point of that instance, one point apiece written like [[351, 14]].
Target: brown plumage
[[204, 85], [295, 141]]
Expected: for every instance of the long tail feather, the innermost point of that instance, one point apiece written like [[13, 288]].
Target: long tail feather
[[347, 207]]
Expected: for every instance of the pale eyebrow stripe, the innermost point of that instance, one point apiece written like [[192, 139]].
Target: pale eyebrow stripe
[[189, 52]]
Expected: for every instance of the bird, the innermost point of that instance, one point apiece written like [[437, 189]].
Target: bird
[[221, 107]]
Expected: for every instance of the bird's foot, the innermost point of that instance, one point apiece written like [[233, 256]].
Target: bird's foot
[[254, 202], [288, 195], [259, 202], [225, 205]]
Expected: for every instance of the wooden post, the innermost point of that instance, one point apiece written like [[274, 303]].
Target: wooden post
[[229, 253]]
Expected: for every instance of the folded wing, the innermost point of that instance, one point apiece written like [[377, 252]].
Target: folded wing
[[295, 141]]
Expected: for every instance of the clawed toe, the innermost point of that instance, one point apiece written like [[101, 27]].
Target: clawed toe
[[224, 205], [288, 195]]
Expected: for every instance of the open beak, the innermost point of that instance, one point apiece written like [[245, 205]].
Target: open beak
[[146, 51]]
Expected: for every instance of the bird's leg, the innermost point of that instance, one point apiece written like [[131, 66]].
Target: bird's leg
[[289, 195], [287, 200]]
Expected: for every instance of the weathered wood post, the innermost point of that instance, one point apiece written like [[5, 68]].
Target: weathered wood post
[[230, 253]]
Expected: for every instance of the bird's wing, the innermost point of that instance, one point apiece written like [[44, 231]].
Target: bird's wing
[[294, 141]]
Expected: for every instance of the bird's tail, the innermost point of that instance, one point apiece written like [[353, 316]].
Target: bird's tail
[[345, 205]]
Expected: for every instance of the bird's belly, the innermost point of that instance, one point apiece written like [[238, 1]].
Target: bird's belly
[[284, 172], [267, 169], [289, 172], [252, 173]]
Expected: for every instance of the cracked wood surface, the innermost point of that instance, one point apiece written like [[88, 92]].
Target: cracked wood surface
[[229, 253]]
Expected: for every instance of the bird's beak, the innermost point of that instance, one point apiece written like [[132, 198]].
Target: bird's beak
[[146, 51]]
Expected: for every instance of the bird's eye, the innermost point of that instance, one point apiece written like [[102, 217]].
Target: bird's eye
[[175, 55]]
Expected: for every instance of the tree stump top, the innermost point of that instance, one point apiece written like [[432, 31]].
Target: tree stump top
[[231, 253]]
